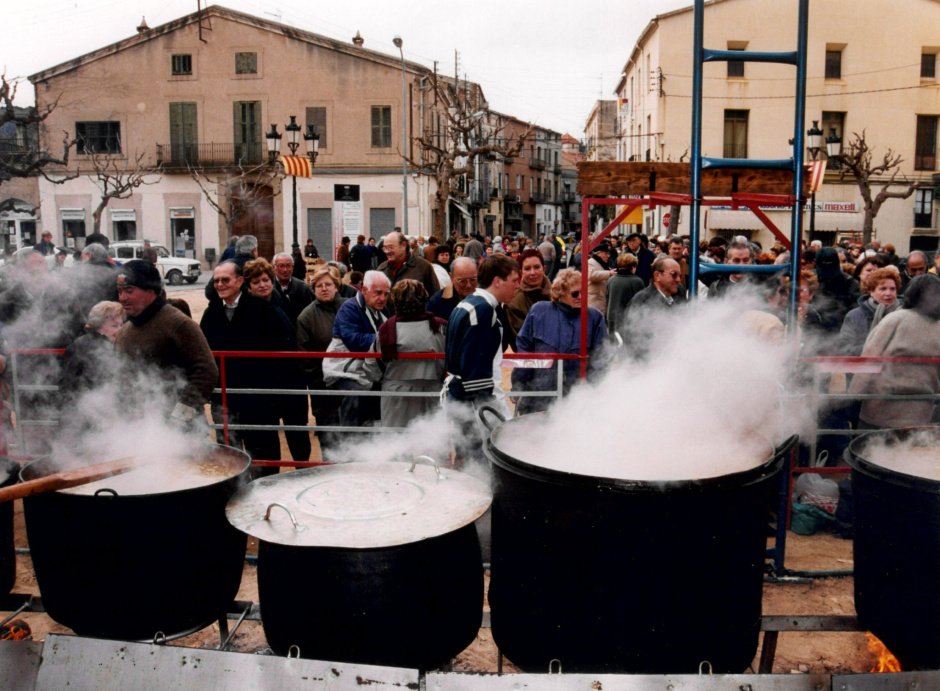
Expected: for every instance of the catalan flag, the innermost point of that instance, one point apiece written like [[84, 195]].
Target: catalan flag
[[816, 173], [298, 166]]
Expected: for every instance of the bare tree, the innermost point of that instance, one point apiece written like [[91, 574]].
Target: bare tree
[[21, 155], [236, 190], [857, 160], [469, 131], [117, 178]]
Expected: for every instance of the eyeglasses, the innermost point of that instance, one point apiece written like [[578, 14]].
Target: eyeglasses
[[222, 281], [575, 293], [466, 281]]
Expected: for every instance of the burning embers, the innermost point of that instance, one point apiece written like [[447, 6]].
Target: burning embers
[[16, 630], [886, 662]]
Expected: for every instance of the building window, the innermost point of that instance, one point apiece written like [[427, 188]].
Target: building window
[[925, 149], [736, 67], [246, 63], [182, 64], [833, 64], [928, 66], [735, 134], [317, 118], [98, 137], [518, 181], [184, 141], [923, 208], [381, 126], [246, 118]]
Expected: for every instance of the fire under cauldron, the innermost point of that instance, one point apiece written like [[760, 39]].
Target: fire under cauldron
[[126, 561], [622, 576], [897, 541], [371, 563]]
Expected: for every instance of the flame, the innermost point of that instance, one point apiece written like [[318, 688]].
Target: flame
[[886, 661], [16, 630]]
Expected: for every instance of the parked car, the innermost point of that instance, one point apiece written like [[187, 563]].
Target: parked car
[[174, 270]]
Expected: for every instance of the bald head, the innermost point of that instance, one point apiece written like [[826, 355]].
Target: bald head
[[463, 273]]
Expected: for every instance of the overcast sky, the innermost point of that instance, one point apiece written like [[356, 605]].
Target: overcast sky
[[546, 62]]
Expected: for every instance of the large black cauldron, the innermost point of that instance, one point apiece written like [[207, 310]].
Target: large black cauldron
[[623, 576], [367, 563], [897, 548], [9, 470], [126, 567]]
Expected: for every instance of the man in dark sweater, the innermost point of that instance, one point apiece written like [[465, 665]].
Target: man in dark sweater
[[158, 334], [295, 293], [402, 264]]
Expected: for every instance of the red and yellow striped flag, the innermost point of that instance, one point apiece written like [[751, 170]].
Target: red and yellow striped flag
[[297, 165], [817, 171]]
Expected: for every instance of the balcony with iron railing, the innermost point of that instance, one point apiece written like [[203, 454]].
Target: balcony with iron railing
[[480, 197], [569, 197], [536, 164], [539, 197], [556, 169], [497, 192], [210, 155]]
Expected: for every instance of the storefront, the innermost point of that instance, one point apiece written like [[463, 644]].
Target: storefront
[[183, 232], [123, 224], [73, 227]]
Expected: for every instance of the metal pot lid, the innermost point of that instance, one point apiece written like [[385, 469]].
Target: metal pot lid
[[358, 505]]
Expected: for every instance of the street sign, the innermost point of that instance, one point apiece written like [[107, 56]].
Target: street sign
[[666, 218]]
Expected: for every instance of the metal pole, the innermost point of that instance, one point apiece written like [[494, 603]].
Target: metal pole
[[698, 31], [796, 221], [404, 140], [295, 244]]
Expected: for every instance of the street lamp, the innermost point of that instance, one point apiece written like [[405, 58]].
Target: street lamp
[[312, 142], [814, 139], [404, 139]]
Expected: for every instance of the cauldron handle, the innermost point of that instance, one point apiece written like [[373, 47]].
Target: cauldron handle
[[489, 409], [786, 446], [104, 490], [414, 462], [267, 515]]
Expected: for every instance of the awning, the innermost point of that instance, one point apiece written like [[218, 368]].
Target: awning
[[123, 214], [828, 221], [744, 219], [728, 219], [460, 207]]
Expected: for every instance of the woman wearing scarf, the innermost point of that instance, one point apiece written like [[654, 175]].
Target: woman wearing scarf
[[879, 298], [412, 330]]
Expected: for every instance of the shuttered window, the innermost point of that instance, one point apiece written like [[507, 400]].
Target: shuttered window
[[247, 120], [246, 63], [183, 133], [735, 134], [381, 126]]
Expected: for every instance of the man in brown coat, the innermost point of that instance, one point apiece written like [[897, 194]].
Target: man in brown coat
[[403, 264], [157, 333]]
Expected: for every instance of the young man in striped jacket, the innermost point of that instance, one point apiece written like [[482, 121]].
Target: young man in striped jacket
[[474, 350]]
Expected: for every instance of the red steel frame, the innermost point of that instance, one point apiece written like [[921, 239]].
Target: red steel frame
[[651, 201]]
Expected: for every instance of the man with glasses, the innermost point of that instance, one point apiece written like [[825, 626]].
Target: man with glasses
[[663, 291], [402, 264], [295, 294], [463, 277]]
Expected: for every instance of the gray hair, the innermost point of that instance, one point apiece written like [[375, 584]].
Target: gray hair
[[96, 252], [281, 254], [340, 266], [741, 243], [246, 245], [372, 276]]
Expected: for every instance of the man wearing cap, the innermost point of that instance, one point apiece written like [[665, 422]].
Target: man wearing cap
[[599, 272], [158, 333], [644, 257], [836, 295]]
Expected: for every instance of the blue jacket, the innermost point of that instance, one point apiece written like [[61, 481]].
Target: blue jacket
[[474, 337], [354, 327], [554, 327]]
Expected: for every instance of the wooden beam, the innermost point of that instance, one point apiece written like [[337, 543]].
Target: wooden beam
[[619, 179]]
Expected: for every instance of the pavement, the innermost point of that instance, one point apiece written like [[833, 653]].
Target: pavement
[[199, 285]]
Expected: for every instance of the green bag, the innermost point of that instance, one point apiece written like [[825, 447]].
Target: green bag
[[806, 519]]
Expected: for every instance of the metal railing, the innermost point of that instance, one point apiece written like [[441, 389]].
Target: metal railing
[[539, 197], [210, 155], [528, 360], [537, 163]]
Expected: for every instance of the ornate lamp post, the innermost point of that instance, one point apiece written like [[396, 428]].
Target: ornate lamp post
[[814, 144], [312, 142], [404, 140]]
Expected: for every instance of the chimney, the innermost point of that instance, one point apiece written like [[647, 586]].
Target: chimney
[[358, 40], [142, 27]]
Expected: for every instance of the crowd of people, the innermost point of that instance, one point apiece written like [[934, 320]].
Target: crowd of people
[[468, 298]]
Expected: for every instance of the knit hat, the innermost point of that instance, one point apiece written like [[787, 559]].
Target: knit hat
[[141, 274], [827, 263]]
